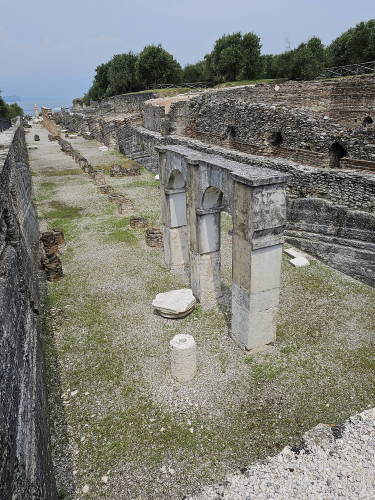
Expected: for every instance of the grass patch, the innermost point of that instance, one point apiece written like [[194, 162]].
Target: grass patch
[[63, 217], [245, 82], [45, 191], [63, 172], [143, 183], [167, 92], [123, 235]]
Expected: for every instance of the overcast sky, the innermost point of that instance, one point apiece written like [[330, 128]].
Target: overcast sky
[[49, 49]]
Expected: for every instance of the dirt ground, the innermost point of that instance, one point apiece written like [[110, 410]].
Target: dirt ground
[[122, 428]]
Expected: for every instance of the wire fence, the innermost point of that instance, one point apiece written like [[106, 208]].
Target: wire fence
[[351, 69], [191, 85]]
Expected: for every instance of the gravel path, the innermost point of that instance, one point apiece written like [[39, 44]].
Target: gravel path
[[331, 462]]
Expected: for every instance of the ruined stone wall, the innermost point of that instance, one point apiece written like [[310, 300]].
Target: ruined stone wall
[[346, 100], [240, 124], [278, 130], [25, 467]]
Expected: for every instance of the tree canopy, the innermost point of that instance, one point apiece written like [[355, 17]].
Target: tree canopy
[[233, 57], [9, 111]]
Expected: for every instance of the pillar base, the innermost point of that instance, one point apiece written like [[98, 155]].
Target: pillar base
[[176, 248], [254, 317], [205, 278]]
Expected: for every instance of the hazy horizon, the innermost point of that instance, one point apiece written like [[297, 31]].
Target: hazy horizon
[[49, 52]]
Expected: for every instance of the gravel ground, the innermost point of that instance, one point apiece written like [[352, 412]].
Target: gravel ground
[[121, 427], [330, 463]]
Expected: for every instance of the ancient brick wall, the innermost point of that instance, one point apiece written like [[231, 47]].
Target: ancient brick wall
[[25, 467], [240, 121]]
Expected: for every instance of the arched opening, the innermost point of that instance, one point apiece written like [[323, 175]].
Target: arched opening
[[367, 121], [176, 180], [336, 152], [276, 138], [212, 198], [231, 133]]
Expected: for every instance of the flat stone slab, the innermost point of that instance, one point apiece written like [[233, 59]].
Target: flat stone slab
[[175, 304], [292, 252], [299, 261], [103, 148]]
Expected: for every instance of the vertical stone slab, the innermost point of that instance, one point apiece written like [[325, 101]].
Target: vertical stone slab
[[204, 227], [173, 210], [258, 222]]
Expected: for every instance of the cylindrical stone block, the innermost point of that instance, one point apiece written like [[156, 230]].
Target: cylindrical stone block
[[183, 357]]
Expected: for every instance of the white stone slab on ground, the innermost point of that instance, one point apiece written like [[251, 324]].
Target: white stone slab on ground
[[103, 148], [299, 261], [175, 304], [293, 252], [73, 136]]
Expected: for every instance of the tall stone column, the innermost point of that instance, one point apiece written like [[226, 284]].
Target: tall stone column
[[175, 230], [258, 223], [204, 226]]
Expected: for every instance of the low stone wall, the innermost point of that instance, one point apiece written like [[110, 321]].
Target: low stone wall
[[25, 467]]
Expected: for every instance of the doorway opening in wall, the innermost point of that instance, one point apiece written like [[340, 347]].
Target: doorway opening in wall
[[336, 152], [276, 138], [367, 121], [231, 134]]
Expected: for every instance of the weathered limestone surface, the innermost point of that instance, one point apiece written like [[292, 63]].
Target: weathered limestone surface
[[257, 203], [25, 467]]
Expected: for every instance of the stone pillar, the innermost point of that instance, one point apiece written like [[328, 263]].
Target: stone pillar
[[183, 357], [205, 263], [258, 224], [175, 231]]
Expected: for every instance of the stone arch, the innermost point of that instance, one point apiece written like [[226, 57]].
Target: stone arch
[[276, 138], [231, 133], [212, 198], [367, 121], [176, 180], [336, 152]]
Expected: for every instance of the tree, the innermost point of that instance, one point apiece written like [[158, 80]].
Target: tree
[[193, 72], [14, 110], [250, 60], [100, 83], [226, 57], [122, 74], [156, 65], [308, 60], [354, 46], [3, 108]]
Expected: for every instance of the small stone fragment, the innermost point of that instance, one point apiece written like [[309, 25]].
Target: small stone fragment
[[175, 304], [299, 262], [86, 488]]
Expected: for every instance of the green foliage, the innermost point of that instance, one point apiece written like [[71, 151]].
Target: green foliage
[[156, 65], [14, 110], [122, 74], [9, 111], [100, 84], [250, 61], [354, 46], [194, 72], [234, 57]]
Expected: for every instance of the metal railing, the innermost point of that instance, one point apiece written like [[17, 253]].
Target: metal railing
[[350, 69], [192, 85]]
